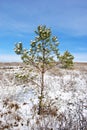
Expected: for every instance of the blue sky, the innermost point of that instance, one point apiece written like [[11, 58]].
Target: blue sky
[[66, 18]]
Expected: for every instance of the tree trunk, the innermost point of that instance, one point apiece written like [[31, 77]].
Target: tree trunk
[[42, 82], [41, 94]]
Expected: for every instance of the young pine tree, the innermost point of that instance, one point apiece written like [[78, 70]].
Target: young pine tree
[[66, 60], [42, 54]]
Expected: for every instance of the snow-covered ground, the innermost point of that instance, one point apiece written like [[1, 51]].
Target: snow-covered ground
[[65, 96]]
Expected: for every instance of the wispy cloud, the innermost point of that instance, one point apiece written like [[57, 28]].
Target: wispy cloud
[[82, 49], [10, 58], [80, 57]]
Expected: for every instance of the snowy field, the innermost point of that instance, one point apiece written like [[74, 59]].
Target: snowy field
[[65, 102]]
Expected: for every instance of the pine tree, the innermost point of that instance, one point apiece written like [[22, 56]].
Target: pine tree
[[66, 60], [43, 53]]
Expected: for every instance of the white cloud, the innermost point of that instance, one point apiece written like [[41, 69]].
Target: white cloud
[[80, 57], [10, 58], [82, 49]]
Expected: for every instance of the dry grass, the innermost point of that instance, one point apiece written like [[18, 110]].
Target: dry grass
[[50, 119], [77, 65], [80, 66]]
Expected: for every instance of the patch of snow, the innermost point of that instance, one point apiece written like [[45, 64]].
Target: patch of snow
[[68, 91]]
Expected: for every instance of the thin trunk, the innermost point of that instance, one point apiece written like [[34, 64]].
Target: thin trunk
[[42, 82], [41, 94]]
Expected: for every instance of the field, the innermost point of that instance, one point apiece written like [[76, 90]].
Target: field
[[65, 102]]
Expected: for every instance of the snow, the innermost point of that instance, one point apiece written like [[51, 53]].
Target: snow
[[68, 91]]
